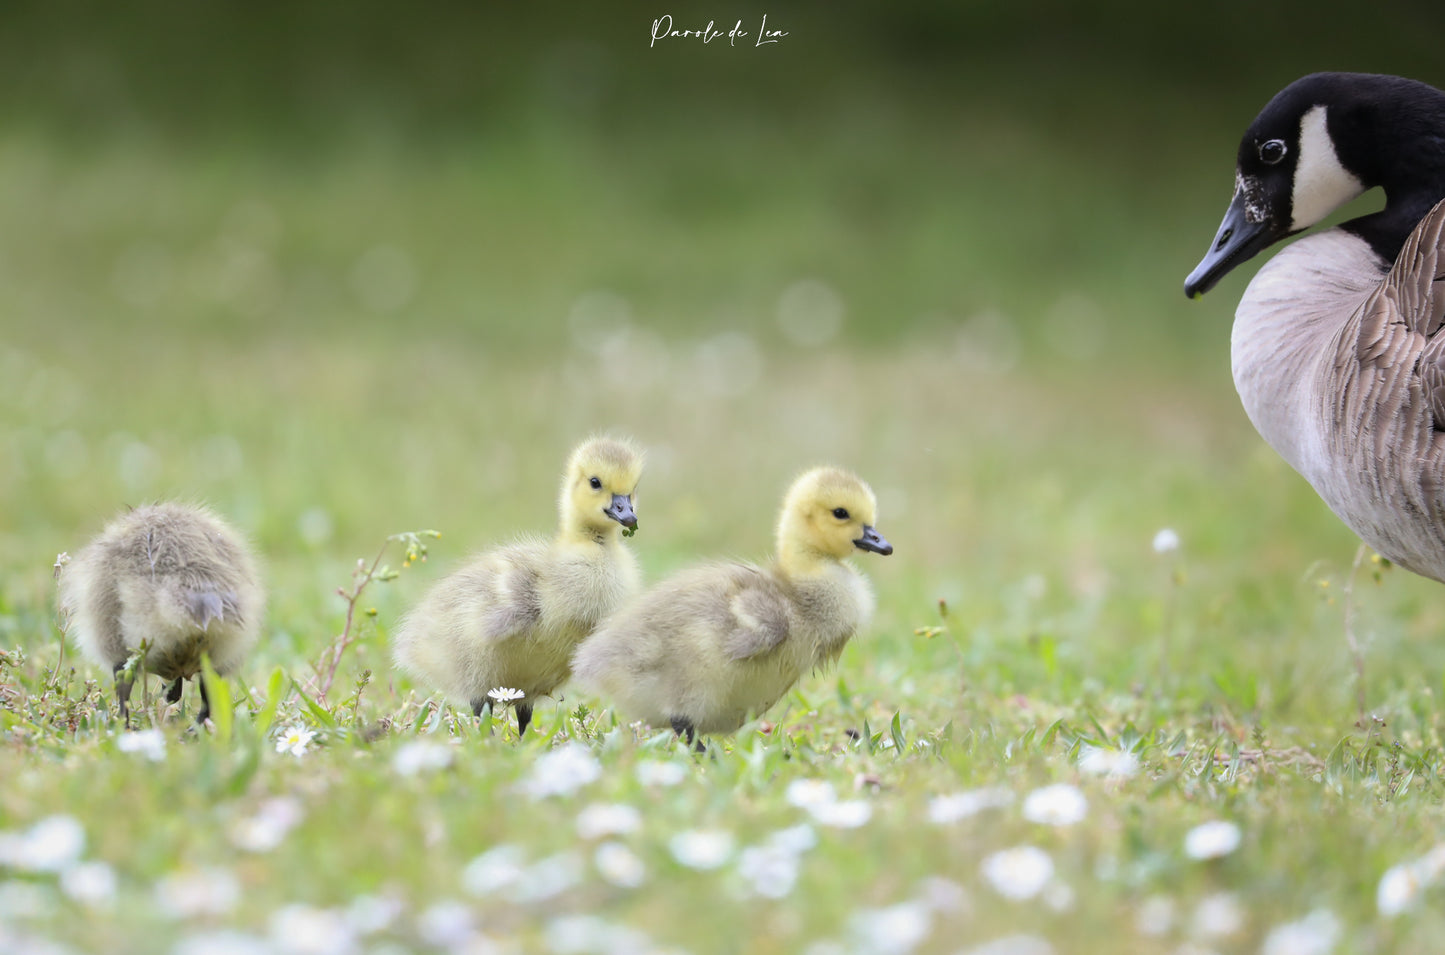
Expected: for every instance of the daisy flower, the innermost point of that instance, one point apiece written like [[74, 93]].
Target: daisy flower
[[561, 772], [702, 848], [1060, 805], [1019, 873], [1211, 840], [505, 694], [294, 740]]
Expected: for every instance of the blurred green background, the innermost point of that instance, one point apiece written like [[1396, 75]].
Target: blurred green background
[[345, 269]]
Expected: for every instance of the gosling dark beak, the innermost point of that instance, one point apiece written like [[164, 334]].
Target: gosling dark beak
[[620, 510], [872, 540], [1239, 239]]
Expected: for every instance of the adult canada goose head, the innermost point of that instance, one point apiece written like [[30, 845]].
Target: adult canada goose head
[[1320, 142], [599, 487], [828, 513]]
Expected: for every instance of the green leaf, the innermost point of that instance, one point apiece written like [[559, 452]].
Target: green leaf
[[267, 717], [317, 711], [896, 730], [223, 709]]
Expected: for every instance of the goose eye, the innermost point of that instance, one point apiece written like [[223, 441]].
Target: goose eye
[[1272, 151], [596, 483], [841, 513]]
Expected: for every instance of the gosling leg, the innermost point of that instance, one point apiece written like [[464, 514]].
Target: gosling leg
[[684, 729], [524, 716], [205, 712], [173, 692]]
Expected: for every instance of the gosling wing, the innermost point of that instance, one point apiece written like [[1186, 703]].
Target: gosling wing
[[754, 613]]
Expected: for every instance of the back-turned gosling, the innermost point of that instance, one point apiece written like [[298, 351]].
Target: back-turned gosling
[[710, 647], [174, 577], [511, 617]]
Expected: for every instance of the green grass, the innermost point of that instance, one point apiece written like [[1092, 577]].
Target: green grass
[[334, 336]]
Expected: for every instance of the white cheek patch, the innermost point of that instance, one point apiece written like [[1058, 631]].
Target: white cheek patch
[[1321, 183]]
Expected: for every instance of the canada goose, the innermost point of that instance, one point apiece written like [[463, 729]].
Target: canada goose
[[510, 618], [174, 577], [1337, 350], [711, 645]]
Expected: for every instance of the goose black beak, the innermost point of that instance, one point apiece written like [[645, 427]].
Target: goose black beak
[[620, 510], [872, 540], [1239, 239]]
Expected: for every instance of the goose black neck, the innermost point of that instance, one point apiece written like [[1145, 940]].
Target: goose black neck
[[1390, 132]]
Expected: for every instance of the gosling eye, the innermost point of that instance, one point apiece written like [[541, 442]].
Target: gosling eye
[[1272, 151], [596, 483], [841, 513]]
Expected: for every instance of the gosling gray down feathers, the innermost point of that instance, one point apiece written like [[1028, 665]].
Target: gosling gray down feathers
[[711, 646], [174, 576], [510, 618], [1337, 347]]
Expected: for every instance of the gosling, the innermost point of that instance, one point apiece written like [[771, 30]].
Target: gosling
[[511, 617], [172, 577], [710, 646]]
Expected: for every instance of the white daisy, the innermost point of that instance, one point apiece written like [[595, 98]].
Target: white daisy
[[1114, 763], [222, 942], [549, 877], [369, 914], [505, 694], [52, 844], [494, 870], [607, 819], [1315, 934], [849, 814], [92, 883], [894, 930], [267, 829], [561, 772], [947, 809], [1218, 916], [421, 756], [795, 839], [619, 865], [447, 924], [1155, 915], [1012, 945], [809, 793], [148, 743], [656, 772], [197, 892], [1058, 805], [944, 895], [1401, 885], [769, 871], [1399, 889], [294, 740], [702, 848], [1166, 541], [1018, 873], [303, 930], [1211, 840]]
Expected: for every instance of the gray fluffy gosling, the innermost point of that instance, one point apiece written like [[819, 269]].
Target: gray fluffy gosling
[[1339, 341], [711, 646], [511, 617], [173, 576]]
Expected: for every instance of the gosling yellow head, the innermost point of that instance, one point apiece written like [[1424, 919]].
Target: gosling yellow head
[[599, 488], [827, 514]]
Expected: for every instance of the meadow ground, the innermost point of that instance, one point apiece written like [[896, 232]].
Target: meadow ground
[[1063, 732]]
